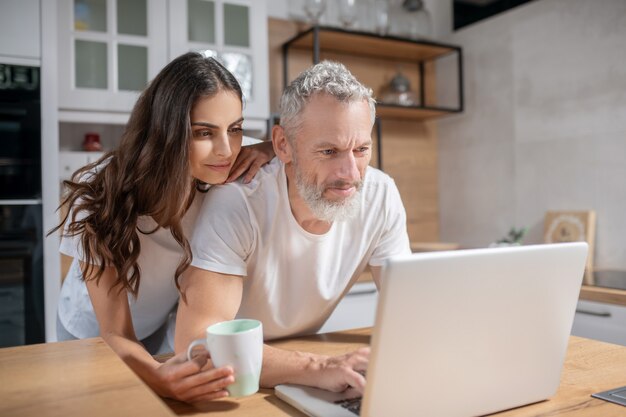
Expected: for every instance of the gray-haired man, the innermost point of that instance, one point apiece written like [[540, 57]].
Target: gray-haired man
[[286, 247]]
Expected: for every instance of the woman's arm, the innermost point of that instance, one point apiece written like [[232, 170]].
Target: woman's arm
[[177, 378]]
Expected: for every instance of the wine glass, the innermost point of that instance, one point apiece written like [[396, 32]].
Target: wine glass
[[347, 13], [314, 10], [380, 10]]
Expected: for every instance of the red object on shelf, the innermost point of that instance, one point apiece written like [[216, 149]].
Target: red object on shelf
[[92, 142]]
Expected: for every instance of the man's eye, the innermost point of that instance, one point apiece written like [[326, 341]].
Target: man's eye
[[327, 152], [362, 149]]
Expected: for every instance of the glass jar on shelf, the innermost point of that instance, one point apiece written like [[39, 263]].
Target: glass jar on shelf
[[398, 92], [410, 19]]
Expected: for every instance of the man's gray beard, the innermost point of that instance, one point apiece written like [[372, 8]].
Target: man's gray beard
[[324, 209]]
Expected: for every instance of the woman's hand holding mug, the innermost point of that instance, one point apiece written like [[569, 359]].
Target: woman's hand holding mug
[[238, 344]]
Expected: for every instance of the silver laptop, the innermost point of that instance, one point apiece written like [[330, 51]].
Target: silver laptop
[[464, 333]]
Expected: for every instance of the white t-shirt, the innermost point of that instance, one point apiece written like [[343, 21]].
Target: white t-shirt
[[159, 257], [294, 279]]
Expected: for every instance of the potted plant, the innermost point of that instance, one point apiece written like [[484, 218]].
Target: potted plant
[[513, 238]]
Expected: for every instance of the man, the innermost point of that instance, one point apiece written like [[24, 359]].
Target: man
[[286, 247]]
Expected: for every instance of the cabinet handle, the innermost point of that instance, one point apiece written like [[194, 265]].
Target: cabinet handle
[[594, 313], [13, 112]]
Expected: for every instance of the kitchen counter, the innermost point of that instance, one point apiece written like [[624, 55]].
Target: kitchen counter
[[603, 294], [86, 378], [609, 286]]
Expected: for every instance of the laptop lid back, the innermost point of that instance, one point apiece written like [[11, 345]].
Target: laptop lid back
[[472, 332]]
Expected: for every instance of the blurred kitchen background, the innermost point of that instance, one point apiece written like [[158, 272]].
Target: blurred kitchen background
[[495, 116]]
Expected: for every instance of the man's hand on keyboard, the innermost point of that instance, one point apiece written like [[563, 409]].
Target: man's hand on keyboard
[[339, 373]]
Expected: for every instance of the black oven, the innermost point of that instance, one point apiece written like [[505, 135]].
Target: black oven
[[21, 274], [21, 230], [20, 132]]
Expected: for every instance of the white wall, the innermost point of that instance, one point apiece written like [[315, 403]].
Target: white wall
[[544, 126]]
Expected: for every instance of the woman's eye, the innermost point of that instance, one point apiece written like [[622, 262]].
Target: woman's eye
[[236, 130], [205, 133]]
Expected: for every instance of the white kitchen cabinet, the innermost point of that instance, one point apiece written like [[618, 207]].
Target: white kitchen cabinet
[[70, 162], [108, 51], [20, 31], [235, 32], [357, 309], [600, 321]]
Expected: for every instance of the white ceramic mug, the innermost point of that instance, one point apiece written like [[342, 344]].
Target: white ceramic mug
[[239, 344]]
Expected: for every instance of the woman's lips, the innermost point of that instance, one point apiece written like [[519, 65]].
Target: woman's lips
[[219, 167]]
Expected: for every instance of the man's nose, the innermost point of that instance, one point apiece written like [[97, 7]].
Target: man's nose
[[349, 168]]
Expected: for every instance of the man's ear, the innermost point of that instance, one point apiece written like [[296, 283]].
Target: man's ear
[[282, 147]]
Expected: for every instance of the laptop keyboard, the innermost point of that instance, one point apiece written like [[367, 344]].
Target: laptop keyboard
[[351, 404]]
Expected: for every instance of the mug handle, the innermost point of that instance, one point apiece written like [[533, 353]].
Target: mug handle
[[193, 344]]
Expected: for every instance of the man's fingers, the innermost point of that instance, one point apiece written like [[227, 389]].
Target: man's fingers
[[353, 393], [356, 381], [359, 359]]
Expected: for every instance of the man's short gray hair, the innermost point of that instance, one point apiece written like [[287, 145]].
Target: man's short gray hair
[[327, 77]]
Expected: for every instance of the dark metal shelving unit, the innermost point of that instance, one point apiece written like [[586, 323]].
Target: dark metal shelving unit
[[365, 44]]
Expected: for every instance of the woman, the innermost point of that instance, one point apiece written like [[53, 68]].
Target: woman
[[130, 215]]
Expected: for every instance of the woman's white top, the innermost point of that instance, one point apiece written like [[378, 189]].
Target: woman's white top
[[159, 257]]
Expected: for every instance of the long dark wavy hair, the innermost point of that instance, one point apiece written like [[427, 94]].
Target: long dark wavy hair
[[148, 174]]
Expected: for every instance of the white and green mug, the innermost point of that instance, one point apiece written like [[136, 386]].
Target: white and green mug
[[238, 344]]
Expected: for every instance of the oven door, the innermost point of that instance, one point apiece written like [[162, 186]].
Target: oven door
[[21, 273], [20, 149]]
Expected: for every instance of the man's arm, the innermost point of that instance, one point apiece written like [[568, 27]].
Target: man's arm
[[207, 297], [212, 297], [332, 373]]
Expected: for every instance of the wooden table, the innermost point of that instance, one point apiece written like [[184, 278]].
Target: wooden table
[[85, 378], [77, 378]]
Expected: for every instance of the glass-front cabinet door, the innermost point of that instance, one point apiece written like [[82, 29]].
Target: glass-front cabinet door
[[234, 32], [108, 51]]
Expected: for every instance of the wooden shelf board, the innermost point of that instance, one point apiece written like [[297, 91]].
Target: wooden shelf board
[[363, 43], [386, 111]]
